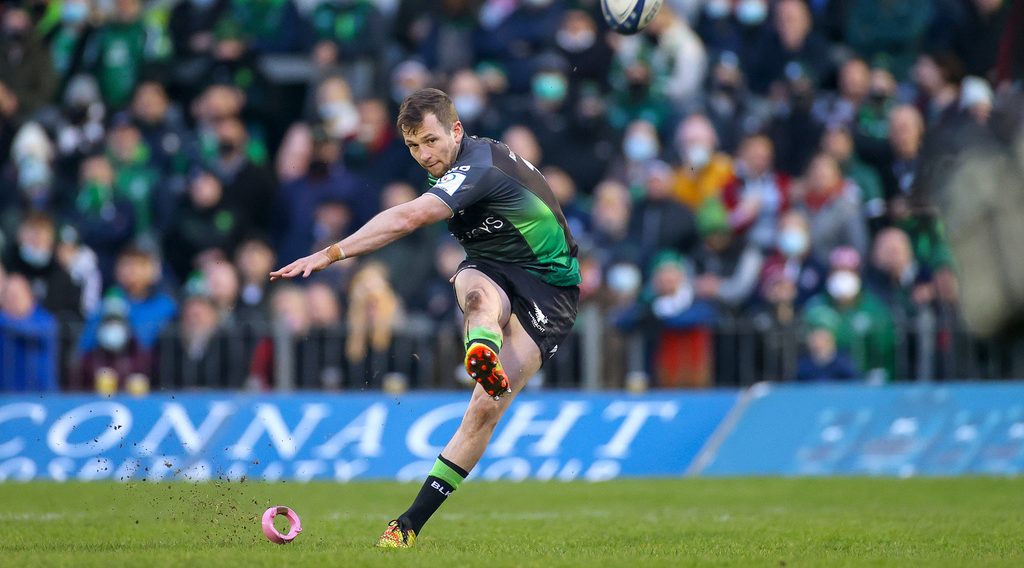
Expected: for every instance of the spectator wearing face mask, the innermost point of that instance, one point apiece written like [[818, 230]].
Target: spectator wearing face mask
[[32, 154], [793, 259], [205, 221], [676, 323], [68, 39], [248, 187], [377, 155], [33, 256], [79, 125], [28, 339], [865, 326], [775, 318], [191, 26], [759, 194], [734, 27], [104, 220], [473, 105], [640, 146], [149, 310], [703, 172], [513, 35], [579, 41], [254, 259], [25, 65], [116, 349]]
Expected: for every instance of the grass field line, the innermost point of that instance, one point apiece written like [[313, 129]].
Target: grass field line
[[491, 515], [40, 517]]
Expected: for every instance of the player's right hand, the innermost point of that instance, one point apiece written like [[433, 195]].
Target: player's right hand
[[304, 266]]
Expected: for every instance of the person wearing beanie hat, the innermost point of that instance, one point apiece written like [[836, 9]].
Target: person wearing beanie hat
[[727, 265]]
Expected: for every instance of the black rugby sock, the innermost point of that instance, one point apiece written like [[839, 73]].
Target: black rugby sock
[[445, 477]]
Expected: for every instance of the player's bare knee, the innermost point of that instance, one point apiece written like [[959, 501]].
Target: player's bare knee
[[483, 413]]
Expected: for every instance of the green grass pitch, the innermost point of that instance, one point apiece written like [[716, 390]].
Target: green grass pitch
[[721, 522]]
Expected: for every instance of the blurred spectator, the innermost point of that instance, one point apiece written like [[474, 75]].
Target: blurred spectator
[[117, 353], [411, 257], [728, 103], [862, 325], [679, 60], [727, 264], [871, 129], [204, 221], [609, 223], [267, 26], [937, 77], [759, 194], [640, 145], [82, 265], [793, 41], [222, 290], [105, 221], [290, 317], [119, 52], [703, 172], [636, 91], [32, 155], [248, 187], [373, 312], [838, 143], [441, 304], [478, 116], [579, 41], [521, 140], [793, 119], [326, 179], [79, 124], [896, 277], [576, 212], [28, 340], [254, 259], [33, 256], [793, 260], [135, 178], [901, 167], [976, 39], [841, 109], [325, 314], [439, 33], [25, 65], [659, 221], [890, 30], [775, 320], [832, 205], [191, 25], [676, 323], [148, 309], [200, 354], [377, 156], [351, 36], [824, 362], [68, 39], [336, 108], [164, 133], [512, 35], [9, 122]]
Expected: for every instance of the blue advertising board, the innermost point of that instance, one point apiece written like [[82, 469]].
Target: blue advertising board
[[956, 429], [347, 436]]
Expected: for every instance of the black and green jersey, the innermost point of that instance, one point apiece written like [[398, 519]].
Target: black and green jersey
[[503, 210]]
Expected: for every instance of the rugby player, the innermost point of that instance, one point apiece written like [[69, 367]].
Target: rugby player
[[518, 287]]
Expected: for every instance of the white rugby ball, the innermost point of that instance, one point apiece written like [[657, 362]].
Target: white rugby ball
[[629, 16]]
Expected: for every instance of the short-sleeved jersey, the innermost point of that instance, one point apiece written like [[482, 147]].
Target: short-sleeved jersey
[[503, 210]]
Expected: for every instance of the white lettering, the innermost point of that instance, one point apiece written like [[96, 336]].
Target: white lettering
[[60, 468], [552, 432], [119, 426], [367, 429], [17, 469], [34, 412], [306, 470], [175, 418], [602, 470], [287, 442], [347, 470], [417, 439], [636, 414], [93, 469], [273, 472], [512, 469]]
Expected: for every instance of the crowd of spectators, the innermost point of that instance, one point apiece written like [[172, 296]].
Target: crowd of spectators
[[765, 163]]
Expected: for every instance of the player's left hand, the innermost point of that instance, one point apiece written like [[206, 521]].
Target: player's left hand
[[304, 266]]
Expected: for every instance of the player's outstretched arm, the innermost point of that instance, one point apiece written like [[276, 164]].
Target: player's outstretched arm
[[387, 226]]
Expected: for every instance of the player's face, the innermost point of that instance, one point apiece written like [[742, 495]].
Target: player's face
[[432, 146]]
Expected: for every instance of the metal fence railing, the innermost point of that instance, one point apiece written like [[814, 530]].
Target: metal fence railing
[[423, 354]]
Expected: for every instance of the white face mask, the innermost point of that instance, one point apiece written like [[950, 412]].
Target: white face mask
[[793, 242], [341, 119], [751, 12], [624, 279], [843, 285], [698, 156], [640, 147], [112, 336], [468, 107], [575, 43], [717, 9]]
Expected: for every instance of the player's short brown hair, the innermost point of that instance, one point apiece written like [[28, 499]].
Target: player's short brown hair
[[419, 104]]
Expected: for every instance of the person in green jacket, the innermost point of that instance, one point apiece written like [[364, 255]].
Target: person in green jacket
[[119, 52], [865, 327]]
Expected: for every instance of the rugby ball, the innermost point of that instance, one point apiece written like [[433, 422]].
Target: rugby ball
[[629, 16]]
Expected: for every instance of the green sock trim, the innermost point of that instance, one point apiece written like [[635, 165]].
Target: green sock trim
[[485, 334], [449, 475]]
